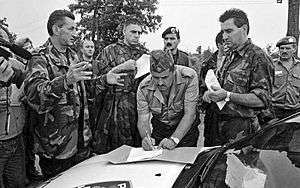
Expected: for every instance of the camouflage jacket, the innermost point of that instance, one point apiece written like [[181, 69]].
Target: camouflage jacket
[[119, 106], [247, 70], [56, 107], [116, 54]]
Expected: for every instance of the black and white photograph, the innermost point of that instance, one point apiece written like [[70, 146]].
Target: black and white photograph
[[149, 94]]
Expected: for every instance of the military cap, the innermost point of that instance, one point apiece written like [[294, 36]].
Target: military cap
[[286, 40], [160, 61], [171, 30]]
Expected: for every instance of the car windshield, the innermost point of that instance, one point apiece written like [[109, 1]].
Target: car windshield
[[270, 158]]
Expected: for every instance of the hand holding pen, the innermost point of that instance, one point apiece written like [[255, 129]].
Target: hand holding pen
[[148, 142]]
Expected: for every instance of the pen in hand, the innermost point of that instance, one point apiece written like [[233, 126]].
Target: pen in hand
[[150, 140]]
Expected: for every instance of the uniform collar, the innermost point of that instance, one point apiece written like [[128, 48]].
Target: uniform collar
[[59, 58], [178, 79], [241, 50], [295, 61]]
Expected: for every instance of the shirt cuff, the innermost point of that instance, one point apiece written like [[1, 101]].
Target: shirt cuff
[[263, 96]]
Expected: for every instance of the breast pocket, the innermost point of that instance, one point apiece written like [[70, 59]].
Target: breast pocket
[[239, 78], [296, 80], [279, 80], [237, 81], [178, 107]]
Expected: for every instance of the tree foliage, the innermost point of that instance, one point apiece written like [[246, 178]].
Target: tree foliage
[[100, 19]]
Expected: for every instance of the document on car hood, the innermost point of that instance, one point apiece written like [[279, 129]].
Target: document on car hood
[[137, 154], [211, 80], [178, 155], [142, 65]]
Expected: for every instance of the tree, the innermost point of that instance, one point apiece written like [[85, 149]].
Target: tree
[[293, 19], [101, 19]]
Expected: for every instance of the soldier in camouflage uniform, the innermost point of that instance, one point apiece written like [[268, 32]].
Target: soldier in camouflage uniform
[[246, 78], [117, 122], [56, 93]]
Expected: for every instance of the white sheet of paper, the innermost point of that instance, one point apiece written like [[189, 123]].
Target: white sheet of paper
[[143, 65], [137, 154], [211, 80]]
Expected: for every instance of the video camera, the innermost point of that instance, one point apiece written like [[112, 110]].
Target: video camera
[[14, 49]]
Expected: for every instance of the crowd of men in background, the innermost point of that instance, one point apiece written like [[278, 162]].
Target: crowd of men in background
[[63, 106]]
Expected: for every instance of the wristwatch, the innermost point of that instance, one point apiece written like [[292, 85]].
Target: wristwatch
[[227, 96], [175, 140]]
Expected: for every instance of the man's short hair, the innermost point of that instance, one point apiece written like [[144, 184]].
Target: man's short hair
[[58, 16], [219, 38], [131, 20], [239, 17], [82, 42]]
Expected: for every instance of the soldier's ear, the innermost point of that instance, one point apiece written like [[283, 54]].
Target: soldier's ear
[[294, 47], [55, 29], [245, 28]]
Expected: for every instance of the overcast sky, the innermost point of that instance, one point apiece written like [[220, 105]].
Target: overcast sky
[[197, 20]]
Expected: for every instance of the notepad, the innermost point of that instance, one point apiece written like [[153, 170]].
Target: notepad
[[138, 154]]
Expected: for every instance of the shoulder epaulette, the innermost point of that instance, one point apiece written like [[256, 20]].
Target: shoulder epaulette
[[187, 72], [145, 82], [185, 53]]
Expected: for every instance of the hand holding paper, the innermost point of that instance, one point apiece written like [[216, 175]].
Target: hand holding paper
[[212, 83]]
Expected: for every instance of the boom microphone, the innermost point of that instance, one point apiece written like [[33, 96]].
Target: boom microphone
[[4, 53], [20, 51], [15, 49]]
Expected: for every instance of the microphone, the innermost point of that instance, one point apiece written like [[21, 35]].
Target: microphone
[[4, 53], [19, 51]]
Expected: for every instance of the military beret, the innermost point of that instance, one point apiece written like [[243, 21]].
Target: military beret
[[286, 40], [171, 30], [160, 61]]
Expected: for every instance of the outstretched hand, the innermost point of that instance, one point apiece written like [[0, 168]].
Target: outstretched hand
[[77, 72], [115, 79]]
